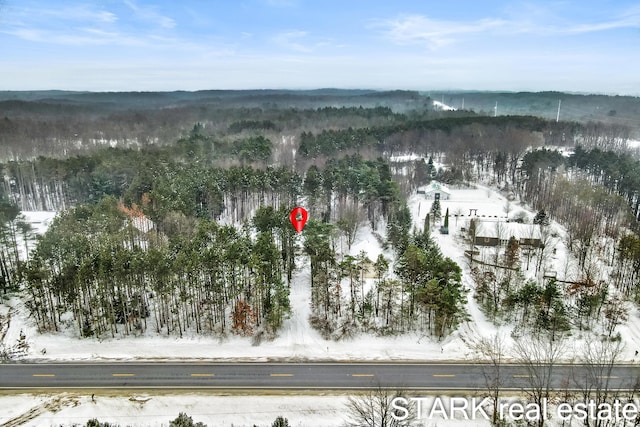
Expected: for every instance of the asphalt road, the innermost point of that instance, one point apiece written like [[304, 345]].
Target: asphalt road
[[309, 376]]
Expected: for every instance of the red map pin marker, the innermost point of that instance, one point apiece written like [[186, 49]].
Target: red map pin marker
[[298, 218]]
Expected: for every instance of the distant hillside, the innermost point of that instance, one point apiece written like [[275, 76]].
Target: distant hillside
[[36, 101], [623, 110], [63, 123]]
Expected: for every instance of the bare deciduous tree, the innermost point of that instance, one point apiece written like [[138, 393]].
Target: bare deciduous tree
[[374, 409], [598, 358], [492, 351], [538, 355]]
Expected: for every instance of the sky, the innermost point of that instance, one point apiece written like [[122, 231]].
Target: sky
[[141, 45]]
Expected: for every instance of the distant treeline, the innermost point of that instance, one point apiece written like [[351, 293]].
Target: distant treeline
[[611, 110], [66, 123], [63, 124], [472, 145], [434, 135]]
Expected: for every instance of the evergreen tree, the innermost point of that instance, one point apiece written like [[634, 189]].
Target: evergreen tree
[[96, 423], [541, 218], [436, 211], [398, 227], [9, 223], [184, 420], [552, 313], [381, 267], [87, 330], [446, 219], [280, 422], [430, 168]]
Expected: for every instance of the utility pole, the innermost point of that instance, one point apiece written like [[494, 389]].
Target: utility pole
[[558, 115]]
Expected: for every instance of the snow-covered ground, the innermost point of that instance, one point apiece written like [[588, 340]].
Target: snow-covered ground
[[39, 221], [214, 410], [442, 106], [490, 207], [405, 157], [297, 340]]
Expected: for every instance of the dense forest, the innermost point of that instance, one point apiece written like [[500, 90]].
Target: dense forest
[[62, 124], [611, 110], [174, 215], [150, 252]]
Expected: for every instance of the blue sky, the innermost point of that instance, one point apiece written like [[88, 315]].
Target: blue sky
[[579, 46]]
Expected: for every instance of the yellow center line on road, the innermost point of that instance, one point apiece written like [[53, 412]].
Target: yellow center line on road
[[281, 375], [444, 375], [44, 375], [362, 375], [123, 375], [202, 375]]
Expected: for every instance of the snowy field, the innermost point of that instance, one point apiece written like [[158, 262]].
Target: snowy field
[[633, 143], [158, 410], [214, 410], [242, 410]]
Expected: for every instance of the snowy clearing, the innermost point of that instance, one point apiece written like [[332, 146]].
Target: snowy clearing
[[442, 106]]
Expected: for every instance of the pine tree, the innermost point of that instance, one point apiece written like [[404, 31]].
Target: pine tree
[[87, 330], [94, 422], [430, 168], [184, 420], [280, 422], [436, 211], [446, 219], [541, 218]]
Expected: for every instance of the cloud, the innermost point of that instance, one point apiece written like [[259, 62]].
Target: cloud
[[419, 29], [80, 13], [303, 42], [86, 25], [434, 33], [628, 19], [77, 37], [281, 3], [292, 40], [150, 15], [91, 36]]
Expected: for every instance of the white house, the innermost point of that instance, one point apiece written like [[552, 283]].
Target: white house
[[434, 188]]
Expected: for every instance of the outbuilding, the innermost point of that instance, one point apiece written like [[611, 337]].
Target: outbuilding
[[498, 233], [435, 191]]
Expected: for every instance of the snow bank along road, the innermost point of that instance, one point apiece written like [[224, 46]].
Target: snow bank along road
[[309, 376]]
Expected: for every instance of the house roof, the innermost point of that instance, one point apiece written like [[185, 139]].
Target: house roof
[[435, 187], [504, 230]]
